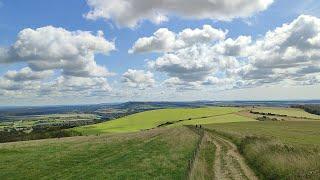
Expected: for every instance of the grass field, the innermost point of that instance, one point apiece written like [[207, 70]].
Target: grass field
[[277, 150], [151, 119], [215, 120], [293, 112], [155, 154], [119, 149]]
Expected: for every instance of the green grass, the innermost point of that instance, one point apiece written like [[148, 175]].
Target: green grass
[[155, 154], [277, 150], [288, 111], [151, 119], [214, 120], [204, 162]]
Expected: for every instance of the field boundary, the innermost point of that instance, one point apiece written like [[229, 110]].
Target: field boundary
[[195, 153], [194, 118]]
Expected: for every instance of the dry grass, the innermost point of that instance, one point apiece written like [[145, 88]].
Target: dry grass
[[277, 150], [203, 164]]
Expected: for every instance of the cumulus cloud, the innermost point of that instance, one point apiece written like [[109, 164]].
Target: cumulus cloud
[[26, 74], [138, 78], [58, 61], [235, 47], [130, 12], [81, 84], [189, 64], [18, 86], [50, 48], [164, 40], [289, 54]]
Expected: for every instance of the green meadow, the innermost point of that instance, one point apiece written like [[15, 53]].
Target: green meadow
[[215, 120], [166, 144], [156, 154], [151, 119], [277, 150]]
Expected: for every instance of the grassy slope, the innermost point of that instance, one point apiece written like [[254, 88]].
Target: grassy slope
[[204, 161], [214, 120], [145, 155], [288, 111], [151, 119], [278, 150]]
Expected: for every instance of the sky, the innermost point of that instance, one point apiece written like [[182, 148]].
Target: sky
[[103, 51]]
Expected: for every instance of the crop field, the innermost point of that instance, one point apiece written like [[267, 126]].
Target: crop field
[[277, 150], [215, 119], [144, 155], [29, 121], [151, 119], [293, 112]]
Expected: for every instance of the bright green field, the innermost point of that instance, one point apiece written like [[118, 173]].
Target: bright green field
[[297, 132], [215, 120], [155, 154], [151, 119], [277, 150], [288, 111]]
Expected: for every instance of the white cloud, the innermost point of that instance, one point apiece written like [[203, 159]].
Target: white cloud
[[50, 48], [289, 54], [26, 74], [130, 12], [206, 34], [138, 78], [164, 40], [81, 84], [189, 64], [235, 47], [59, 62], [18, 86]]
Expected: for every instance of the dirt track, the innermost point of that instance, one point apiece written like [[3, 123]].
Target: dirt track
[[229, 164]]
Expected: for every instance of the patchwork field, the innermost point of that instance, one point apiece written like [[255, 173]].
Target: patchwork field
[[152, 119], [292, 112], [215, 120], [28, 121], [167, 144], [277, 150], [145, 155]]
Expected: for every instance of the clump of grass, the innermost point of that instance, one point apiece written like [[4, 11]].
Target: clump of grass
[[277, 150], [203, 164], [277, 160]]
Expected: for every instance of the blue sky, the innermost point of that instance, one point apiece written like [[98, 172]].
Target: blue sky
[[17, 15]]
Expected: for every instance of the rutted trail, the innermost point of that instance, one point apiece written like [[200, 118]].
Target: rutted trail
[[229, 164], [218, 158]]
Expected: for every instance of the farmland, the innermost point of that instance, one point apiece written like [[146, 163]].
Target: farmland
[[152, 119], [170, 144], [292, 112], [27, 122], [277, 150], [144, 155]]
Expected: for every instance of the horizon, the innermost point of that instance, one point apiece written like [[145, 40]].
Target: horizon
[[195, 101]]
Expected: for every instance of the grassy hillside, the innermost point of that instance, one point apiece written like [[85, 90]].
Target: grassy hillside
[[216, 119], [145, 155], [151, 119], [294, 112], [277, 150]]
